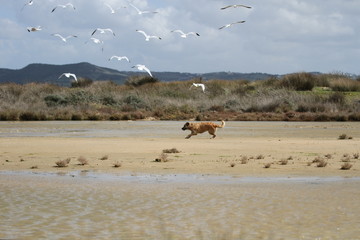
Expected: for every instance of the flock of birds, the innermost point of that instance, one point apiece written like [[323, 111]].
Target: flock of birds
[[140, 67]]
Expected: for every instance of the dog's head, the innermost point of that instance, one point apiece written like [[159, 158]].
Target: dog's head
[[186, 126]]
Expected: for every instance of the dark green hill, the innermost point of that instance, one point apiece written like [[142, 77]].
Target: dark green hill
[[48, 73]]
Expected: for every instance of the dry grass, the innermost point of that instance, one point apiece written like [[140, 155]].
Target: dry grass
[[63, 163], [244, 160], [162, 158], [83, 161], [321, 163], [276, 99], [346, 166], [117, 164], [344, 137], [284, 161], [267, 165], [105, 157], [171, 150]]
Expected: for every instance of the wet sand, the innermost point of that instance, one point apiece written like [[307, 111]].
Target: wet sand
[[202, 192]]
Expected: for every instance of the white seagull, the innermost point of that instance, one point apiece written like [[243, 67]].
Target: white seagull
[[119, 58], [142, 68], [64, 39], [234, 6], [184, 35], [103, 30], [230, 24], [112, 10], [69, 75], [147, 37], [96, 41], [34, 29], [31, 2], [141, 12], [64, 6], [199, 85]]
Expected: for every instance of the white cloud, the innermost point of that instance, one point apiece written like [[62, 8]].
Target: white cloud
[[279, 36]]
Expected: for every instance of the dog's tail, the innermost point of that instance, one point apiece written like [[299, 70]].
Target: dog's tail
[[222, 124]]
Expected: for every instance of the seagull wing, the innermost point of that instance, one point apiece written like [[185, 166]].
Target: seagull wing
[[143, 33], [94, 32], [147, 70], [138, 10], [73, 75], [111, 9], [178, 31], [70, 5], [193, 33], [61, 37]]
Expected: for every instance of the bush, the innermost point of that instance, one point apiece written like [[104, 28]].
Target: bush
[[298, 81], [82, 82], [136, 81]]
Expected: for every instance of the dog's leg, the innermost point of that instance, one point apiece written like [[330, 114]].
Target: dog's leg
[[191, 134]]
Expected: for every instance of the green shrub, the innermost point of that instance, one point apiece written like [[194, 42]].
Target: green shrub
[[298, 81], [136, 81]]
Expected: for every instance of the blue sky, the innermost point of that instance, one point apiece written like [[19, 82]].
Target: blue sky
[[279, 36]]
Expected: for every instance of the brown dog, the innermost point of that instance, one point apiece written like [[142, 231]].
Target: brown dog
[[201, 127]]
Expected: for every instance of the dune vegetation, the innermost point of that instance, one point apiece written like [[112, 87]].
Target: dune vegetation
[[292, 97]]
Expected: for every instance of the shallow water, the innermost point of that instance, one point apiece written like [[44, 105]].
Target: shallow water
[[163, 129], [85, 205]]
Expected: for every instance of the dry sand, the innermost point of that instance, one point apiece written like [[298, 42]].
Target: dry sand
[[263, 143], [294, 201]]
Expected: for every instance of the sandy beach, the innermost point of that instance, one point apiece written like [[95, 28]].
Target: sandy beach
[[211, 189]]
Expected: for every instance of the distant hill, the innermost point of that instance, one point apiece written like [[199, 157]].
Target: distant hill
[[48, 73]]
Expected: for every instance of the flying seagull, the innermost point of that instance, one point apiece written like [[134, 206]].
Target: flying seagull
[[119, 58], [103, 30], [64, 6], [69, 75], [184, 35], [64, 39], [34, 29], [234, 6], [201, 85], [230, 24], [142, 68], [96, 41], [31, 2], [139, 11], [147, 37], [112, 10]]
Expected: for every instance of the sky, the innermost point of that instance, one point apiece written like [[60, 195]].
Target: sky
[[277, 37]]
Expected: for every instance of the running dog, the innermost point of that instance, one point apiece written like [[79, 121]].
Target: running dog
[[202, 127]]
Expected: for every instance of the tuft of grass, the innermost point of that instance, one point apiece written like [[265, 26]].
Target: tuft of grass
[[344, 137], [284, 161], [321, 163], [117, 164], [105, 157], [356, 155], [82, 161], [346, 166], [244, 160], [34, 167], [162, 158], [63, 163], [171, 150], [267, 165], [232, 164], [260, 156]]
